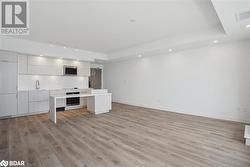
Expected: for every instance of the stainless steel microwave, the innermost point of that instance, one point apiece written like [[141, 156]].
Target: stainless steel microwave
[[70, 70]]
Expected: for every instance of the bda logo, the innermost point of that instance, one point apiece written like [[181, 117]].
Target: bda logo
[[4, 163]]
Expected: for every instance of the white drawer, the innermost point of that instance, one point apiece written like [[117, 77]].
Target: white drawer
[[57, 92], [38, 95], [37, 107]]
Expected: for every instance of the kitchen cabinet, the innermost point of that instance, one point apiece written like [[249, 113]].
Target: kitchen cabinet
[[44, 66], [22, 64], [45, 70], [7, 57], [33, 102], [37, 65], [38, 107], [38, 101], [8, 77], [83, 71], [99, 103], [39, 95], [23, 103], [8, 105], [8, 84]]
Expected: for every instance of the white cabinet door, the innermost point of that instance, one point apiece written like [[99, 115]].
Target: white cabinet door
[[83, 71], [22, 64], [44, 66], [7, 57], [38, 95], [23, 102], [8, 105], [38, 101], [84, 65], [39, 107], [45, 70], [8, 77]]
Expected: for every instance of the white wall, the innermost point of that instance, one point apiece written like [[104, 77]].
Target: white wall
[[28, 82], [210, 81]]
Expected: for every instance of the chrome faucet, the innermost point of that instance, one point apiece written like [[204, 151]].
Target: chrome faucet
[[37, 84]]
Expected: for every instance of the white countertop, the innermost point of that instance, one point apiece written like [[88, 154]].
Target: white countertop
[[68, 89], [74, 95], [79, 95]]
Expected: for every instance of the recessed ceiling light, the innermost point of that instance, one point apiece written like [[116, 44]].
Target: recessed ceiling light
[[215, 41], [170, 50], [41, 55], [64, 47], [139, 56], [132, 20], [248, 26]]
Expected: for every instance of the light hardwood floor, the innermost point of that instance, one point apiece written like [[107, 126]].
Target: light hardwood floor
[[127, 136]]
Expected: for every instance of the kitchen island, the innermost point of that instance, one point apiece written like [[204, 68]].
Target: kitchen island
[[98, 102]]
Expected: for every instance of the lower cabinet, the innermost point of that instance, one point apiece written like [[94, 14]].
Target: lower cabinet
[[38, 101], [8, 105], [33, 102], [23, 102], [39, 107]]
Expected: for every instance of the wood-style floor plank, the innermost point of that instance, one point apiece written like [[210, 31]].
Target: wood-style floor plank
[[127, 136]]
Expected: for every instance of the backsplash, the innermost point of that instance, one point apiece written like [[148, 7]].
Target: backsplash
[[28, 82]]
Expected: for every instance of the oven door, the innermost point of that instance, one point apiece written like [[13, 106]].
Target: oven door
[[73, 101]]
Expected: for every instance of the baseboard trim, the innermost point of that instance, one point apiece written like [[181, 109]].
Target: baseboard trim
[[215, 118]]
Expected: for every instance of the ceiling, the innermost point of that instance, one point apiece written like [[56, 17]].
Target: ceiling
[[107, 26], [123, 28]]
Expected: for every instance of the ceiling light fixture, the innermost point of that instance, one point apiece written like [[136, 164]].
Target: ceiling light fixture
[[139, 56], [41, 55], [215, 41], [170, 50], [248, 26], [132, 20], [64, 47]]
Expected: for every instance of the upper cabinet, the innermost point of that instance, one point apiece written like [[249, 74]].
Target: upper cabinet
[[7, 57], [83, 69], [44, 66], [22, 64], [36, 65]]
